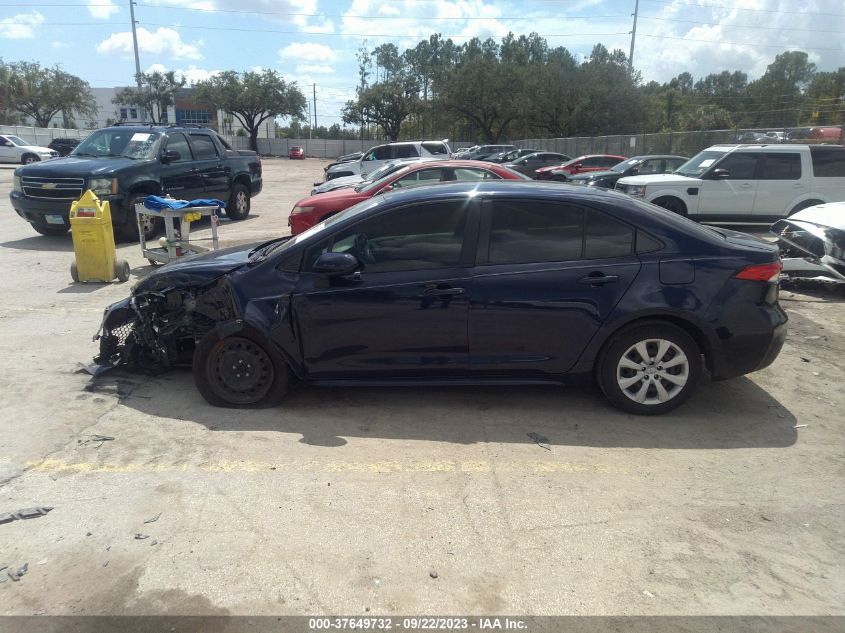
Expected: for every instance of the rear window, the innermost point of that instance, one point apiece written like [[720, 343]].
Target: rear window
[[829, 163], [781, 166]]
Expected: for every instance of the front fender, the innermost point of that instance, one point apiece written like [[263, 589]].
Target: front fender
[[691, 202]]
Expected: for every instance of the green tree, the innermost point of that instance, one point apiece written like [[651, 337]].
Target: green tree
[[157, 91], [41, 93], [252, 97]]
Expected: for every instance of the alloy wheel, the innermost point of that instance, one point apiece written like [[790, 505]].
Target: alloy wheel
[[652, 371]]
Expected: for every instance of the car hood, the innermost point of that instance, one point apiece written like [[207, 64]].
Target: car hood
[[338, 183], [830, 215], [35, 148], [659, 179], [594, 175], [330, 199], [195, 270], [84, 167]]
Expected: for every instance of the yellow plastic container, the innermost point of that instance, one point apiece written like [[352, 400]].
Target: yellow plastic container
[[93, 242]]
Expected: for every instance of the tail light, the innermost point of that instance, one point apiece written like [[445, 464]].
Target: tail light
[[761, 272]]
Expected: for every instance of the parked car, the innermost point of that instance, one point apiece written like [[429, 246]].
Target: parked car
[[490, 282], [346, 158], [310, 211], [345, 182], [757, 182], [63, 146], [296, 153], [812, 242], [775, 136], [638, 165], [483, 151], [826, 134], [530, 163], [751, 137], [462, 152], [123, 164], [580, 165], [510, 156], [13, 149], [377, 156]]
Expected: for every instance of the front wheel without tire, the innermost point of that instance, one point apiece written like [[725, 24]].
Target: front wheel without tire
[[238, 206], [650, 369], [239, 371]]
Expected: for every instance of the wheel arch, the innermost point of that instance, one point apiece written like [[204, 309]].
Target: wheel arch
[[694, 330], [243, 179]]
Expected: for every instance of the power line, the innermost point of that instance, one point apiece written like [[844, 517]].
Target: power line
[[735, 8], [780, 46]]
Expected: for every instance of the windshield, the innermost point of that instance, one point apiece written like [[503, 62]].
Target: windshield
[[120, 142], [383, 171], [625, 164], [367, 187], [17, 140], [700, 163]]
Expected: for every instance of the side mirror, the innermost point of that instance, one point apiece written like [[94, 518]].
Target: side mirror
[[576, 166], [336, 264], [635, 171], [170, 156], [385, 189], [719, 174]]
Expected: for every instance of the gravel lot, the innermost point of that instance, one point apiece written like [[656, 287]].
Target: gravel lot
[[347, 500]]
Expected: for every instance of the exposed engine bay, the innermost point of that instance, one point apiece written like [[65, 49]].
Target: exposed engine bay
[[156, 329], [812, 242]]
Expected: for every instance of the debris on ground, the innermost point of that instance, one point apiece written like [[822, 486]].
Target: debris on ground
[[141, 537], [26, 513], [799, 426], [541, 440], [91, 368], [432, 573], [19, 572], [98, 439], [154, 519], [764, 517], [806, 360]]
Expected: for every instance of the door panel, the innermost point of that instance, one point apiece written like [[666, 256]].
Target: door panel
[[780, 183], [213, 169], [181, 178], [733, 196]]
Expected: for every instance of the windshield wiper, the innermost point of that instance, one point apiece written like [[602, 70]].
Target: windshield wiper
[[84, 154]]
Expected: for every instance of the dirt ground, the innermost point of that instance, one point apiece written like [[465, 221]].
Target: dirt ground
[[349, 500]]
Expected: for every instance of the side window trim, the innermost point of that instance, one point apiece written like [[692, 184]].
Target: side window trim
[[194, 149]]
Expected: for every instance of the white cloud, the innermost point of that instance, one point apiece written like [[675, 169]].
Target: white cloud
[[319, 69], [304, 14], [307, 52], [165, 42], [102, 9], [21, 26], [192, 74], [59, 44]]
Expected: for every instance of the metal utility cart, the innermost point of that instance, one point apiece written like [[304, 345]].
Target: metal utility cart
[[176, 242]]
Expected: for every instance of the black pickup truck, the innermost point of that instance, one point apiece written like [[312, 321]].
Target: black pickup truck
[[123, 163]]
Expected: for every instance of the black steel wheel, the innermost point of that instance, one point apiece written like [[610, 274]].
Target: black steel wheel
[[238, 371]]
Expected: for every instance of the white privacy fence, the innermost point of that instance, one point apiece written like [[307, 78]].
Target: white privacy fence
[[42, 135]]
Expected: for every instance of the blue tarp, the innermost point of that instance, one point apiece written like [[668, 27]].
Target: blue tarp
[[155, 203]]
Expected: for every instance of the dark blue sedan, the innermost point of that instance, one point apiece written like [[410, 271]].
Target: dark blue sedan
[[485, 283]]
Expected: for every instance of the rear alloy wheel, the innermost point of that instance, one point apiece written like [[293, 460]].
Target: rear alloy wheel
[[238, 206], [238, 371], [650, 369]]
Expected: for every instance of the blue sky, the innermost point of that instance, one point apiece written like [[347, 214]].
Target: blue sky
[[314, 41]]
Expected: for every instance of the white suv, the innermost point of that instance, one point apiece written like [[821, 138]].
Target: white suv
[[756, 182], [14, 149], [383, 154]]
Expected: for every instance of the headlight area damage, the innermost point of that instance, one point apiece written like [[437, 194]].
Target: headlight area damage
[[809, 249], [159, 328]]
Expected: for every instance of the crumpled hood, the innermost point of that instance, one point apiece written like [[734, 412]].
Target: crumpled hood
[[195, 270], [657, 180], [82, 167]]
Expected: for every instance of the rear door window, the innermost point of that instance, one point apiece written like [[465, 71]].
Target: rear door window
[[781, 166], [606, 237], [420, 177], [470, 174], [828, 163], [204, 148], [405, 151], [523, 232]]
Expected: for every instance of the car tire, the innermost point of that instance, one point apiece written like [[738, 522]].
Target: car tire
[[127, 231], [239, 371], [50, 231], [672, 204], [238, 206], [649, 368], [28, 159]]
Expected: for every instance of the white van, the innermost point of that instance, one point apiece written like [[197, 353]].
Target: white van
[[383, 154], [760, 183]]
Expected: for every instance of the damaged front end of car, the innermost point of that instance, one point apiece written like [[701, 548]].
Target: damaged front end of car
[[159, 325], [810, 249]]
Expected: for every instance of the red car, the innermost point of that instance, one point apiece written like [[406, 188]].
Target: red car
[[580, 165], [296, 153], [313, 210]]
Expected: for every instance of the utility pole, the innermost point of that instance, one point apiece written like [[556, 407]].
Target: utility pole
[[633, 37], [314, 88], [137, 59]]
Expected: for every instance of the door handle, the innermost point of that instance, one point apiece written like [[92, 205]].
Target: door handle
[[745, 185], [798, 185], [599, 279]]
